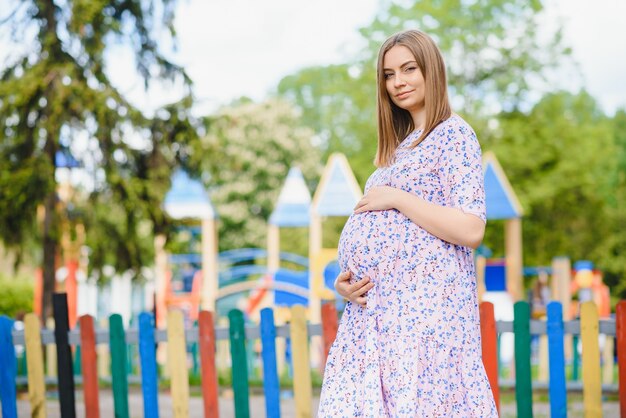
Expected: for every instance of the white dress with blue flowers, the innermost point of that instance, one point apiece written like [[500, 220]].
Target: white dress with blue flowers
[[415, 350]]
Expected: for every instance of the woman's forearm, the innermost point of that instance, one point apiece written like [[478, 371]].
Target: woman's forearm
[[449, 224]]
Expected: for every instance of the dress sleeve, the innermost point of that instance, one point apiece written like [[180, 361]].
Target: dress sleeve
[[462, 173]]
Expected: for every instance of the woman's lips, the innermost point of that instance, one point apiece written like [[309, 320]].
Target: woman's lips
[[403, 94]]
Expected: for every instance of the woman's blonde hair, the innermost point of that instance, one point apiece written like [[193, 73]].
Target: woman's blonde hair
[[394, 123]]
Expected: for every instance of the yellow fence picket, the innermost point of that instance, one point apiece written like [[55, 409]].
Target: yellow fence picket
[[543, 359], [301, 363], [51, 353], [222, 348], [592, 386], [103, 354], [608, 362], [177, 361], [34, 360]]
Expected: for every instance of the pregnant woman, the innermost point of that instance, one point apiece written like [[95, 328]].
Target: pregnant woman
[[409, 340]]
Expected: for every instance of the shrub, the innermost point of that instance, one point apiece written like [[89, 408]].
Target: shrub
[[16, 297]]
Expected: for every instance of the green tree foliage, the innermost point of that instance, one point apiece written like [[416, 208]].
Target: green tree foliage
[[254, 144], [612, 249], [492, 51], [338, 102], [57, 90], [558, 158], [17, 297], [566, 161], [123, 215]]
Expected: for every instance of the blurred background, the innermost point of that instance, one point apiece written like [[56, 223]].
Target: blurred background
[[102, 101]]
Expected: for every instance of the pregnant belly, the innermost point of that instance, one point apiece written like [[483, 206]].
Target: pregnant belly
[[368, 242]]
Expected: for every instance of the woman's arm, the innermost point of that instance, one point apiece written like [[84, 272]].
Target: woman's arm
[[449, 224]]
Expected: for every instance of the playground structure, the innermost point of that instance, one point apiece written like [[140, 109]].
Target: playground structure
[[502, 204], [225, 279], [500, 280], [187, 201], [336, 195], [119, 339]]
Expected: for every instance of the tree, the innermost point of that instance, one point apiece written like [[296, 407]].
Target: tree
[[58, 90], [248, 150], [613, 247], [560, 159], [339, 105], [493, 53]]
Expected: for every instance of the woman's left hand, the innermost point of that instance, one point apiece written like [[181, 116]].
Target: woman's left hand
[[377, 198]]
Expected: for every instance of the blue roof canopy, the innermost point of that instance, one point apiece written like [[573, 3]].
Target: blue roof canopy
[[293, 208], [502, 203], [338, 191], [187, 198]]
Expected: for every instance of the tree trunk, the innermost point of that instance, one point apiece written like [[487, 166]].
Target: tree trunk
[[50, 245], [51, 235]]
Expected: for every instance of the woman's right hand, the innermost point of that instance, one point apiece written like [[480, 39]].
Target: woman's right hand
[[356, 292]]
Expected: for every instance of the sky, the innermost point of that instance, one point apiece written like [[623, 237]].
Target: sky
[[596, 31], [234, 48]]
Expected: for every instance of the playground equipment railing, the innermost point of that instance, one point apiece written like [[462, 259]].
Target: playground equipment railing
[[206, 335]]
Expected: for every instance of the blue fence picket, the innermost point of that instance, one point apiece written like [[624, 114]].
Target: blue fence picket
[[556, 355], [270, 372], [147, 355], [8, 371]]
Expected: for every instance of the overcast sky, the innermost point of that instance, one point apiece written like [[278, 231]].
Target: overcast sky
[[234, 48]]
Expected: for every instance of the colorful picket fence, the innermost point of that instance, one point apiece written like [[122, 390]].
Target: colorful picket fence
[[239, 335]]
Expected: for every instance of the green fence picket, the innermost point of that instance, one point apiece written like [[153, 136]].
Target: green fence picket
[[523, 386], [119, 373], [239, 363]]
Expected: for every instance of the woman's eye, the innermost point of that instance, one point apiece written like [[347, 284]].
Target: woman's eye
[[388, 75], [409, 69]]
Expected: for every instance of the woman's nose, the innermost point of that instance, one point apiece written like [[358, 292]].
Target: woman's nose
[[398, 81]]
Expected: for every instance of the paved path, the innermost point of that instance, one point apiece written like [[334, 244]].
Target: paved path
[[257, 407]]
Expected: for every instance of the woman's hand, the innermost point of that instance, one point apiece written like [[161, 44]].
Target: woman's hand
[[356, 292], [378, 198]]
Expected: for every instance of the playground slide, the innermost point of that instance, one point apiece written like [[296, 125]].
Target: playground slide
[[258, 294]]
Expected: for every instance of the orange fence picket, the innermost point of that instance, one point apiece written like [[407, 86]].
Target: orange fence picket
[[329, 327], [90, 366], [207, 359], [489, 337]]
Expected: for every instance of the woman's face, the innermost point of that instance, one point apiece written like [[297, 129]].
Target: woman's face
[[403, 79]]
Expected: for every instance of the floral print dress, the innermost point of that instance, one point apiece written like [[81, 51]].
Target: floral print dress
[[415, 350]]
